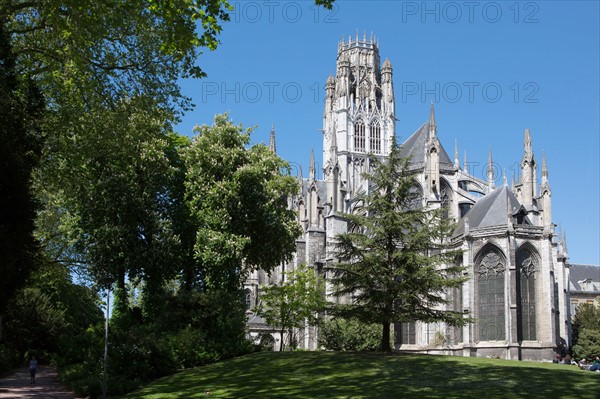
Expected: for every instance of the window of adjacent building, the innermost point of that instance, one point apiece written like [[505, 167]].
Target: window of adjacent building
[[359, 136], [526, 263], [375, 138], [408, 334], [490, 284]]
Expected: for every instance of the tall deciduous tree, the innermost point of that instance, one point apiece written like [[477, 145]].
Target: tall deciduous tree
[[21, 142], [396, 263], [296, 300], [116, 185], [238, 198]]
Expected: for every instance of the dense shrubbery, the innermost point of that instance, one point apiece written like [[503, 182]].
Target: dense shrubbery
[[586, 331], [350, 335], [193, 331]]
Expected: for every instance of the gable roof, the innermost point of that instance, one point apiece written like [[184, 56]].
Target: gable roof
[[578, 274], [414, 147], [490, 210]]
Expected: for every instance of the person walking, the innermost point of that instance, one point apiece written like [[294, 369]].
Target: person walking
[[33, 368]]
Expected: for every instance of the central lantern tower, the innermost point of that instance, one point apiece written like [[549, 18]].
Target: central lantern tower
[[358, 120]]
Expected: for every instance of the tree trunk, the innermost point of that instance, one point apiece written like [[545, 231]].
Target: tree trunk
[[281, 342], [385, 338]]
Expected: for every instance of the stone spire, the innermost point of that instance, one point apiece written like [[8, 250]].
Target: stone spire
[[432, 125], [456, 161], [527, 143], [465, 164], [544, 171], [490, 170], [545, 194], [312, 167], [272, 146], [528, 171]]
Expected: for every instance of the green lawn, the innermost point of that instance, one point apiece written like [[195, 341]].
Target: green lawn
[[364, 375]]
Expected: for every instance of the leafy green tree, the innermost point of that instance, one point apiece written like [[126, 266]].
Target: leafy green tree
[[586, 330], [237, 196], [588, 344], [113, 192], [292, 303], [21, 106], [395, 260], [238, 200]]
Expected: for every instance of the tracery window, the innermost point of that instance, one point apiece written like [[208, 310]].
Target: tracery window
[[375, 138], [490, 286], [526, 263], [359, 136], [445, 198]]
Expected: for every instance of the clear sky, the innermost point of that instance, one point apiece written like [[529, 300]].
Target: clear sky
[[492, 69]]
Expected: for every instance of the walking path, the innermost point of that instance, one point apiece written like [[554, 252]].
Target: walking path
[[17, 385]]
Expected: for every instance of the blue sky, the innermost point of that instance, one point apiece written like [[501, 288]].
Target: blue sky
[[492, 69]]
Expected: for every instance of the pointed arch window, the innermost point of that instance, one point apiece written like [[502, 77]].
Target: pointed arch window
[[490, 286], [445, 198], [526, 261], [359, 136], [375, 137]]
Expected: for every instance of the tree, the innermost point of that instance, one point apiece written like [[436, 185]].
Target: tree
[[21, 106], [292, 303], [586, 330], [395, 260], [238, 200]]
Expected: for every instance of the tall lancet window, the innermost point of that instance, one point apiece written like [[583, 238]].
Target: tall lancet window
[[526, 261], [375, 138], [359, 136], [490, 285]]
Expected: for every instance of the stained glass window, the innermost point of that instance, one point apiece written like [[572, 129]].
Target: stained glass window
[[526, 262], [491, 297]]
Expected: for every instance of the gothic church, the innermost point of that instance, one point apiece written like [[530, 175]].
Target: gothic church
[[515, 262]]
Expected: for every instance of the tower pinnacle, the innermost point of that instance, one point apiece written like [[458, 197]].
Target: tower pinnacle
[[312, 168], [432, 126], [272, 146], [490, 169]]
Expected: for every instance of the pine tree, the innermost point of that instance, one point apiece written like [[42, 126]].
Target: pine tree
[[396, 262]]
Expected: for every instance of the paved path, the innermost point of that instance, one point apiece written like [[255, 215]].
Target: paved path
[[17, 385]]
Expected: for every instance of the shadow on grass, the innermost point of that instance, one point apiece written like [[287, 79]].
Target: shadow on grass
[[363, 375]]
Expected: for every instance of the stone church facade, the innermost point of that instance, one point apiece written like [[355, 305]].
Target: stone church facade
[[515, 261]]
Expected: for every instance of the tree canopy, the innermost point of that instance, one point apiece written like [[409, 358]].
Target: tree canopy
[[395, 259], [238, 197], [294, 301]]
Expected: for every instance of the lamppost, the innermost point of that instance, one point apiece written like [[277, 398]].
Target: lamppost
[[105, 376]]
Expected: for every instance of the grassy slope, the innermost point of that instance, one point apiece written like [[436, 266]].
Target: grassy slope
[[363, 375]]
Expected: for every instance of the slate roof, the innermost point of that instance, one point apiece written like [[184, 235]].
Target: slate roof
[[580, 273], [490, 210], [414, 147]]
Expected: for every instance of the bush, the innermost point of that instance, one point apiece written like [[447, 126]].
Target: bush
[[588, 344], [9, 358], [350, 335]]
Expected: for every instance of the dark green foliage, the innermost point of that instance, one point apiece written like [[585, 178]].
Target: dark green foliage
[[21, 141], [588, 344], [340, 334], [396, 261], [586, 331]]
